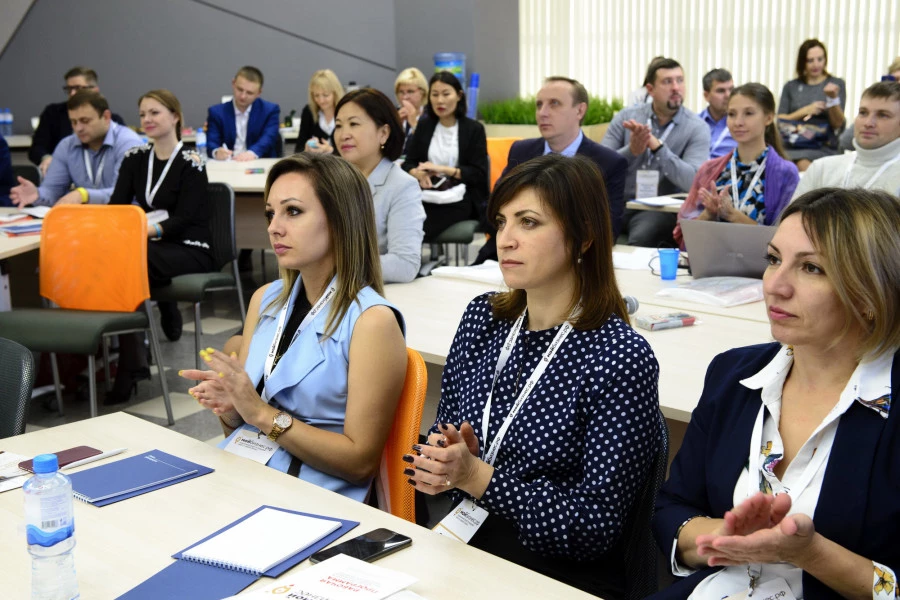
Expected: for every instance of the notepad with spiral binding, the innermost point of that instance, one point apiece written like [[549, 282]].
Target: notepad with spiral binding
[[199, 581], [133, 476]]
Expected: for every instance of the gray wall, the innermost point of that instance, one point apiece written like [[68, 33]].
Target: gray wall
[[487, 31], [193, 47]]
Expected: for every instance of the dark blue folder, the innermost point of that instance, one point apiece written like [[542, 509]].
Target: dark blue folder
[[133, 476], [188, 579]]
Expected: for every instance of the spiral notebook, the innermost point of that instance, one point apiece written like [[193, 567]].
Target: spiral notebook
[[261, 541]]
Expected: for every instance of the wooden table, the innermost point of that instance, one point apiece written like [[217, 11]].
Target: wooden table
[[121, 545], [433, 307]]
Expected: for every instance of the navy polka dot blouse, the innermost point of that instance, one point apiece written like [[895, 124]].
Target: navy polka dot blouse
[[578, 452]]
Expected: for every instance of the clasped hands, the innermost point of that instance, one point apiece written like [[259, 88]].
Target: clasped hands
[[717, 205], [449, 460], [641, 137], [759, 531], [425, 171], [225, 388]]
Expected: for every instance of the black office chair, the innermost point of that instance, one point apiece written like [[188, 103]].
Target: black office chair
[[29, 172], [193, 287], [16, 381], [641, 550]]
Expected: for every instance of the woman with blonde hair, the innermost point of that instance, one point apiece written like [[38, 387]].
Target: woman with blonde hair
[[322, 358], [317, 117], [785, 484], [162, 175], [411, 90]]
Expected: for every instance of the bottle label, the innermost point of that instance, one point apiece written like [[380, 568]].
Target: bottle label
[[49, 518]]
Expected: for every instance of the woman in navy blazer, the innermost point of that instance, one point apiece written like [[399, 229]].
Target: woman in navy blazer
[[808, 416], [426, 157]]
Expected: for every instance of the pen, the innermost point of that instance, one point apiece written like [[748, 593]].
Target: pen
[[91, 459]]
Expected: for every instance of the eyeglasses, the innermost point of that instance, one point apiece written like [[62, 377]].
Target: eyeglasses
[[77, 88]]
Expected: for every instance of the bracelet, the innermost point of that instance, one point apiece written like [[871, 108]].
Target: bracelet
[[688, 520], [831, 102], [84, 194], [158, 231]]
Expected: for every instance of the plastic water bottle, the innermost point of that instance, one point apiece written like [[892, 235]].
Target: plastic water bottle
[[4, 122], [472, 96], [201, 142], [50, 531], [352, 86], [9, 123]]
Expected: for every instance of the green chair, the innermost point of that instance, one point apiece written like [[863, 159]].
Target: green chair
[[93, 265], [194, 287], [16, 381], [461, 234]]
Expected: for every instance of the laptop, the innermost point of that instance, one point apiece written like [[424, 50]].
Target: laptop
[[726, 249]]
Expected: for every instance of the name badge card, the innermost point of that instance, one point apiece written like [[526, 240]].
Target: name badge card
[[647, 184], [462, 522], [250, 442], [777, 589]]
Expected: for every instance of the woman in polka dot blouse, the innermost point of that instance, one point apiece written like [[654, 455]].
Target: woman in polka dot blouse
[[558, 484]]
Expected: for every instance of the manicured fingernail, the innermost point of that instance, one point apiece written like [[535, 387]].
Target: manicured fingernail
[[442, 443], [417, 448], [408, 458], [207, 359], [443, 426], [409, 472], [234, 355], [411, 482], [181, 372], [221, 374], [210, 350]]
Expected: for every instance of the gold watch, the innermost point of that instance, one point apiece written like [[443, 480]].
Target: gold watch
[[280, 423]]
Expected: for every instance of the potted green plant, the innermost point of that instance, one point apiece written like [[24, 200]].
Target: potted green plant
[[514, 117]]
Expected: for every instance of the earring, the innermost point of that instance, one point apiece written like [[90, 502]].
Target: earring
[[790, 350], [579, 260], [382, 146]]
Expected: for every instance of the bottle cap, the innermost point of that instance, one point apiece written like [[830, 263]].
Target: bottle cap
[[475, 80], [46, 463]]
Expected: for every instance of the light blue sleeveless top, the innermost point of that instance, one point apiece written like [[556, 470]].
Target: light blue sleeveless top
[[310, 380]]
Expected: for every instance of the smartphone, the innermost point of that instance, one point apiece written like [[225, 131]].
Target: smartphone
[[64, 457], [437, 181], [368, 547]]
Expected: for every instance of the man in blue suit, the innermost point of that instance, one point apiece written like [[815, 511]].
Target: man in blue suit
[[560, 108], [245, 128]]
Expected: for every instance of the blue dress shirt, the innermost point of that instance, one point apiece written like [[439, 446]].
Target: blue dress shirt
[[569, 150], [720, 142], [68, 166]]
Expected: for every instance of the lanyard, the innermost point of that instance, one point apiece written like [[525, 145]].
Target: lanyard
[[282, 317], [662, 139], [564, 330], [819, 457], [90, 169], [734, 179], [151, 194], [719, 141], [877, 174]]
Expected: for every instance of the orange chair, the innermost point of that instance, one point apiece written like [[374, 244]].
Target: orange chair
[[394, 494], [498, 151], [93, 265]]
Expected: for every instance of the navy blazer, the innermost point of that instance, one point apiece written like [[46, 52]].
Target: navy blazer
[[472, 161], [262, 128], [7, 174], [858, 505], [613, 166]]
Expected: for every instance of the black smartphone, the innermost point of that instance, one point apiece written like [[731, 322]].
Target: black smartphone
[[368, 547]]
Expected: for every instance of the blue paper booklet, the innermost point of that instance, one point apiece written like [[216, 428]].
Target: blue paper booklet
[[133, 476], [199, 581]]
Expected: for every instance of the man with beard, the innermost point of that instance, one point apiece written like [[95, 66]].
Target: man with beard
[[664, 144]]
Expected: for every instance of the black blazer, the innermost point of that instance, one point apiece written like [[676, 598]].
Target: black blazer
[[473, 158], [309, 128], [613, 166], [857, 507]]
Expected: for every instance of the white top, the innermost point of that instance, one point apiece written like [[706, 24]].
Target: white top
[[240, 125], [326, 125], [832, 171], [444, 146], [803, 477]]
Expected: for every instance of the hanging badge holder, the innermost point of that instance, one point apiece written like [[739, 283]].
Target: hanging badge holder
[[462, 522], [646, 184], [250, 442], [776, 589]]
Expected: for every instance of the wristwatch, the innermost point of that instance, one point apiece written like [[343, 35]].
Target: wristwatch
[[280, 423], [658, 148]]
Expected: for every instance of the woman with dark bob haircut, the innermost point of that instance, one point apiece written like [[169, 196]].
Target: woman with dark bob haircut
[[549, 414], [452, 147], [368, 135], [786, 481]]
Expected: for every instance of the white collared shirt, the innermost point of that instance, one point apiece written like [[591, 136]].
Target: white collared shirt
[[240, 126], [869, 382]]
